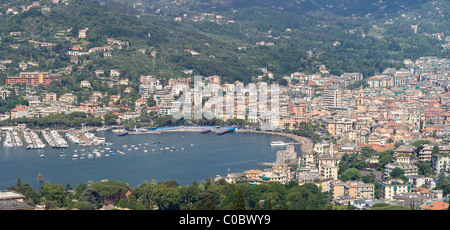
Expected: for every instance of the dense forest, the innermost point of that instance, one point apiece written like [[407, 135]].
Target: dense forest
[[169, 195], [303, 39]]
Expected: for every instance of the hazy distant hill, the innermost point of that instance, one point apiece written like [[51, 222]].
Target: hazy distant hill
[[358, 8], [167, 37]]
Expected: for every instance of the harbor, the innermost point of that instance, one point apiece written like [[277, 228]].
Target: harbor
[[32, 139], [37, 139], [54, 139], [183, 156], [12, 139]]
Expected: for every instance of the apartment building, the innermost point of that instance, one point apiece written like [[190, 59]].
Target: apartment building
[[355, 189], [391, 188], [33, 78], [332, 98], [440, 163]]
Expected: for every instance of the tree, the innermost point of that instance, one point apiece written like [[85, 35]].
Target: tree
[[53, 194], [18, 184], [79, 190], [268, 206], [209, 205], [350, 174], [167, 196], [40, 179], [69, 186], [397, 172], [238, 201], [435, 150]]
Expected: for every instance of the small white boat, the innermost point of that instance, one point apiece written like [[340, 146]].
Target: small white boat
[[278, 143], [75, 156], [42, 156]]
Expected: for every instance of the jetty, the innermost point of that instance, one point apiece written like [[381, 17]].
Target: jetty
[[84, 138], [32, 139], [54, 139], [9, 142]]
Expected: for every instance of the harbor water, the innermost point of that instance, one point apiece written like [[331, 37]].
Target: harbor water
[[182, 156]]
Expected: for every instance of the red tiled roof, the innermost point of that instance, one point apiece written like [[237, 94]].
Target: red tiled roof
[[438, 205], [18, 109]]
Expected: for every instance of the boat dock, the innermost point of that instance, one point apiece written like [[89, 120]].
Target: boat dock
[[12, 139], [84, 139], [32, 139], [54, 139]]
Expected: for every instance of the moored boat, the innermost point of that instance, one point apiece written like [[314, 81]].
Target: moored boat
[[205, 131], [278, 143], [122, 133]]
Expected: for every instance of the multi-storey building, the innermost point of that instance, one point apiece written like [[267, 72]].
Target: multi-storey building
[[440, 163], [33, 78], [332, 98], [391, 188], [353, 189]]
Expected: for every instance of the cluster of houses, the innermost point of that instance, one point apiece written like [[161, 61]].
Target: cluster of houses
[[396, 106]]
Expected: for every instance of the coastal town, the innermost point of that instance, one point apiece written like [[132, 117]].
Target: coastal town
[[389, 114], [365, 140]]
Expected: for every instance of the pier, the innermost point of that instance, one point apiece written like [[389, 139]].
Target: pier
[[84, 138], [32, 139], [54, 139]]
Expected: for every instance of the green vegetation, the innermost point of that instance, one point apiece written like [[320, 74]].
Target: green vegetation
[[61, 121], [311, 28], [169, 195], [384, 206], [11, 102]]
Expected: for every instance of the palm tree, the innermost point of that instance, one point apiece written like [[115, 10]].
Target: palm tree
[[40, 179]]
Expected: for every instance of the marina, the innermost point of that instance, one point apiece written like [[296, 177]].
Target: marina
[[54, 139], [12, 139], [181, 156], [32, 139]]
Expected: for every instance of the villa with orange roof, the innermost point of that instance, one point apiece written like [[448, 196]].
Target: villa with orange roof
[[438, 205], [19, 112]]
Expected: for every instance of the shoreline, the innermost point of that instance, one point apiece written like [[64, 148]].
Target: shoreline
[[306, 145]]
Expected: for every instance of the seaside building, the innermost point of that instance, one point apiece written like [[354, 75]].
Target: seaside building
[[33, 78]]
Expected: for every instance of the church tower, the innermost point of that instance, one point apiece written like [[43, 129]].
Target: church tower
[[361, 108]]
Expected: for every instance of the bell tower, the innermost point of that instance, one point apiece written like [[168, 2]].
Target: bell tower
[[361, 108]]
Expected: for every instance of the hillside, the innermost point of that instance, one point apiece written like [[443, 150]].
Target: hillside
[[228, 38]]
